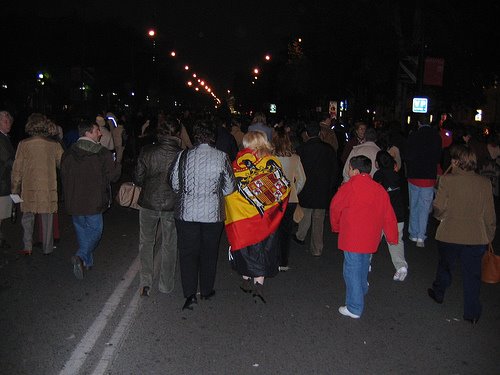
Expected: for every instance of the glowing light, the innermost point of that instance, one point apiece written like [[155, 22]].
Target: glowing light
[[194, 75], [267, 57], [190, 83], [40, 75], [229, 91], [186, 67], [199, 81], [151, 33], [197, 89], [256, 70], [132, 93], [172, 53], [256, 77], [300, 40], [202, 83]]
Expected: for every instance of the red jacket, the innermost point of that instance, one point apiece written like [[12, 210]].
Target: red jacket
[[359, 212]]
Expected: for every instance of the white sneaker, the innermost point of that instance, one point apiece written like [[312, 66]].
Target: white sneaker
[[344, 311], [420, 243], [400, 274], [414, 239]]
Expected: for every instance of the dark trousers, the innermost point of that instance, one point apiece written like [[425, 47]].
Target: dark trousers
[[285, 233], [470, 256], [198, 245]]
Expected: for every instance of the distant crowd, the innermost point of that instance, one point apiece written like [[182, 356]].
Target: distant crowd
[[265, 183]]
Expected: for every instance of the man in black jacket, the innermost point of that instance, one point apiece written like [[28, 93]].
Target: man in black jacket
[[7, 155], [320, 165], [87, 169]]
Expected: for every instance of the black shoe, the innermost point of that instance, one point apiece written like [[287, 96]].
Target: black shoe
[[300, 242], [208, 296], [145, 291], [432, 294], [246, 286], [190, 301], [258, 293]]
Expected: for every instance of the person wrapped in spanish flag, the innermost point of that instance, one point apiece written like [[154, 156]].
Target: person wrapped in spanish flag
[[254, 212]]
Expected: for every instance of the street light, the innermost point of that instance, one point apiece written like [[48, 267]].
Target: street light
[[152, 33], [172, 53], [267, 57]]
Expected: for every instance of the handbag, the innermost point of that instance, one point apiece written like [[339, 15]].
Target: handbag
[[128, 194], [490, 266]]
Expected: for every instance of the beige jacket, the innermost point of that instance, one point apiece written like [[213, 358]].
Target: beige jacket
[[294, 172], [34, 175], [464, 206]]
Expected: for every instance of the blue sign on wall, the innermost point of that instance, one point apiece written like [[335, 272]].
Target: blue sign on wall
[[420, 105]]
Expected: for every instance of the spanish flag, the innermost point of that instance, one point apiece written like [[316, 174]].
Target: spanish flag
[[255, 209]]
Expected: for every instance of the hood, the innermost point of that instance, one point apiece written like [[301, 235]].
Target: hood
[[85, 147]]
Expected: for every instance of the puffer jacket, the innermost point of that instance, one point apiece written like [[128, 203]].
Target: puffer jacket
[[151, 174], [201, 177]]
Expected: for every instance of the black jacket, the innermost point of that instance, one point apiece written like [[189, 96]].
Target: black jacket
[[423, 153], [7, 155], [391, 182], [320, 165], [151, 174]]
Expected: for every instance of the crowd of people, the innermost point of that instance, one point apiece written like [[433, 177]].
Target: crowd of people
[[202, 175]]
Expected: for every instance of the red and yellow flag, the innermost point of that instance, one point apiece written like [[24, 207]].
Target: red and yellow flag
[[255, 209]]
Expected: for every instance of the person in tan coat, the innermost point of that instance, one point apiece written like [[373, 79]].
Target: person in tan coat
[[34, 178], [464, 206]]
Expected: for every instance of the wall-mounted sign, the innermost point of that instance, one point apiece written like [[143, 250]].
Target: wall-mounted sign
[[420, 105]]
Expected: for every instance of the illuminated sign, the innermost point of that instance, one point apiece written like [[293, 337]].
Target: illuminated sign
[[272, 108], [420, 105]]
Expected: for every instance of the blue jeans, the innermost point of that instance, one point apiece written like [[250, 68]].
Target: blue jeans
[[88, 232], [420, 205], [470, 257], [356, 280]]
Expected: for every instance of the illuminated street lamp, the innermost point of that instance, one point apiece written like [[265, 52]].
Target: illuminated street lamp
[[256, 70], [190, 83], [194, 75], [172, 53], [152, 33], [267, 57], [186, 67]]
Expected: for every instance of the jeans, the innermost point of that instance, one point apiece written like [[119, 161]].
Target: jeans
[[356, 280], [88, 232], [148, 223], [420, 205], [314, 217], [198, 245], [470, 256]]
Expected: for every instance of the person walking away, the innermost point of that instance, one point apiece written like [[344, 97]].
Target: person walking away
[[294, 172], [465, 209], [87, 169], [34, 178], [156, 202], [254, 213], [387, 176], [422, 159], [320, 165], [200, 176], [360, 212], [7, 155]]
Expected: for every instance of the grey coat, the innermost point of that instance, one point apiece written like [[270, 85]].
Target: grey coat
[[201, 178]]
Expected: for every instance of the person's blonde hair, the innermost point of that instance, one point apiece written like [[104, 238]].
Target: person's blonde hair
[[257, 141]]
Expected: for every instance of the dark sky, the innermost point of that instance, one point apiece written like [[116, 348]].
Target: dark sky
[[215, 37]]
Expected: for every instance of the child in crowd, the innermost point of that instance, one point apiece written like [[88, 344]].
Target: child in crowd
[[360, 211], [387, 176]]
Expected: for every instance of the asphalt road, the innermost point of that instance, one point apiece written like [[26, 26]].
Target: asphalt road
[[51, 323]]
